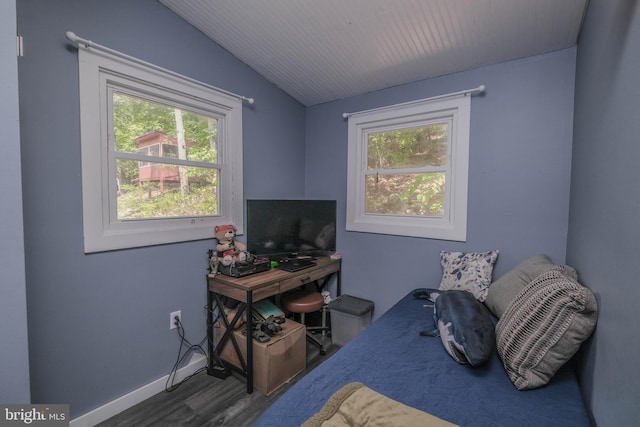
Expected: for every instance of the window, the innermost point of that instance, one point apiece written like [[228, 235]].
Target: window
[[161, 155], [408, 169]]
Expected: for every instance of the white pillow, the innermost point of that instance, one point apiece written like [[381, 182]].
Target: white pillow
[[471, 271]]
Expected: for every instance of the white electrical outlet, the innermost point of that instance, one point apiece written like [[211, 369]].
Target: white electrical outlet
[[172, 319]]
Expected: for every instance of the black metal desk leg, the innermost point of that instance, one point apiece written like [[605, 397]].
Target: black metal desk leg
[[249, 313], [209, 331]]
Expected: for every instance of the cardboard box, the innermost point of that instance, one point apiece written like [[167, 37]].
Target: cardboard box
[[276, 361]]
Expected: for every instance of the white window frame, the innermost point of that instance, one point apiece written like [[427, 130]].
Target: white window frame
[[102, 230], [453, 224]]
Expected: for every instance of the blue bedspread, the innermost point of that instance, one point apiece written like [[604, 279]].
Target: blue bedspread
[[392, 358]]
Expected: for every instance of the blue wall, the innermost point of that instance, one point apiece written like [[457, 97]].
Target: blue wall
[[14, 366], [604, 226], [519, 174], [98, 323]]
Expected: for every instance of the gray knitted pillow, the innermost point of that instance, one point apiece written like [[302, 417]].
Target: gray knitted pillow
[[504, 290], [544, 326]]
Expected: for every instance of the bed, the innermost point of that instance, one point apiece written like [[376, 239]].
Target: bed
[[391, 358]]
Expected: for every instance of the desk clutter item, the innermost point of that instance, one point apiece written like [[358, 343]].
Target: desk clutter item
[[267, 320], [265, 309], [295, 264], [264, 329], [242, 269]]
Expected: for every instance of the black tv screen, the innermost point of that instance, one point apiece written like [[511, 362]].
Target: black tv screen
[[281, 228]]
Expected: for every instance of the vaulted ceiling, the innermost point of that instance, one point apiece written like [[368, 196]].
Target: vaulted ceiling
[[322, 50]]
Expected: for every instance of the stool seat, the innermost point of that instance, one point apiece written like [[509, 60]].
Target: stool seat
[[302, 301], [307, 301]]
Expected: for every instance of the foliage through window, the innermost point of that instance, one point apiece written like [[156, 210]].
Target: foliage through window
[[405, 171], [161, 155], [155, 189], [408, 167]]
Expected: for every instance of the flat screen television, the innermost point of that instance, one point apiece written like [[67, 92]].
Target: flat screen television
[[284, 228]]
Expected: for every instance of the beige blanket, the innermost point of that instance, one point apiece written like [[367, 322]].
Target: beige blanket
[[357, 405]]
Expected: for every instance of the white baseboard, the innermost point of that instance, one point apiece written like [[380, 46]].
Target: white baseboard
[[120, 404]]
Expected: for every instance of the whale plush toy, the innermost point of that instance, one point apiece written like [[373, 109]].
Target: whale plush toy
[[463, 323]]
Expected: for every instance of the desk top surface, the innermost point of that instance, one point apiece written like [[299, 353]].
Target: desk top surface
[[324, 266]]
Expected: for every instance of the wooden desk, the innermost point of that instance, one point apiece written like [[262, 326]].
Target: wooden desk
[[250, 289]]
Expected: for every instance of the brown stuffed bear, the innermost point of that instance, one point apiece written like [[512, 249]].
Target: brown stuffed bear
[[228, 250]]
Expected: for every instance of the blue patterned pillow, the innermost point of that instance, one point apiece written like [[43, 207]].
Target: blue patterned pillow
[[471, 271]]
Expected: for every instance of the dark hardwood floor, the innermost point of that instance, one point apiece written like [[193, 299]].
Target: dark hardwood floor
[[208, 401]]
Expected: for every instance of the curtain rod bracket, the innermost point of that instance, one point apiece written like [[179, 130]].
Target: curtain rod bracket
[[72, 37], [479, 89]]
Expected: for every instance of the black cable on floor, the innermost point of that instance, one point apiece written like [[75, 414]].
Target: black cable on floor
[[190, 348]]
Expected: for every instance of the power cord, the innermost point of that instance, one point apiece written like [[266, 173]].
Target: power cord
[[190, 348]]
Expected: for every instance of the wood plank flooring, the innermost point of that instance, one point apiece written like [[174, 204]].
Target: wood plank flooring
[[208, 401]]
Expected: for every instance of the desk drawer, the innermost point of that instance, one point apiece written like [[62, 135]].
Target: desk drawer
[[306, 277]]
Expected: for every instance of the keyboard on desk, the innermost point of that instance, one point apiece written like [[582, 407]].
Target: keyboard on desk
[[295, 264]]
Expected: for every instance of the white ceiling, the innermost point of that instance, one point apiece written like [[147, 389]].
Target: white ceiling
[[322, 50]]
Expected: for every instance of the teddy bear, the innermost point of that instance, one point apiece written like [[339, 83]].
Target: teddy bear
[[229, 251]]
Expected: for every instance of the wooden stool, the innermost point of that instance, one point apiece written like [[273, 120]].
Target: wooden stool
[[307, 301]]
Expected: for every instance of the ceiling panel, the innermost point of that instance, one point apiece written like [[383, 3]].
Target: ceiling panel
[[322, 50]]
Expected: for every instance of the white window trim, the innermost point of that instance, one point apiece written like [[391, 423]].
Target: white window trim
[[453, 225], [102, 232]]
